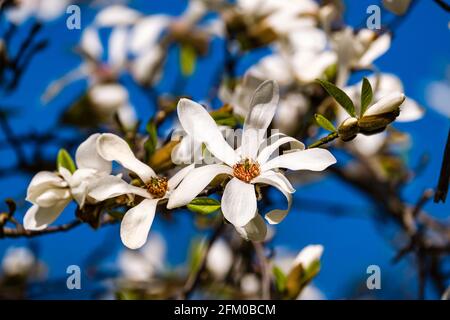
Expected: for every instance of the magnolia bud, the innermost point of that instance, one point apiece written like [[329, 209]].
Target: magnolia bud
[[382, 113], [348, 129]]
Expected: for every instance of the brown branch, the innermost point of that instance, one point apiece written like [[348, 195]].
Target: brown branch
[[265, 273], [443, 5], [21, 232], [444, 177]]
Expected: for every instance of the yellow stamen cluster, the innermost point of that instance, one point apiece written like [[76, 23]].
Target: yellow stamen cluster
[[246, 170], [157, 186]]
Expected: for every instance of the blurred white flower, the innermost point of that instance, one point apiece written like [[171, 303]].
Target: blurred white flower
[[51, 192], [145, 263], [250, 284], [308, 256], [44, 10], [137, 221], [437, 95], [247, 165], [18, 261], [219, 259], [311, 292], [357, 50]]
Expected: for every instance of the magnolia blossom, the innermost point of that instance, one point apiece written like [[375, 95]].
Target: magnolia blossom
[[18, 261], [137, 221], [357, 50], [248, 165], [437, 94], [219, 259], [45, 10], [51, 192]]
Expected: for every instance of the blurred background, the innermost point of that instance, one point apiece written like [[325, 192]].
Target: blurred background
[[328, 212]]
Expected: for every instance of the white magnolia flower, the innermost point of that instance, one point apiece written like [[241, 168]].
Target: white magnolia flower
[[248, 165], [18, 261], [399, 7], [219, 259], [250, 284], [357, 51], [437, 94], [308, 256], [311, 292], [144, 264], [44, 10], [51, 192], [137, 221]]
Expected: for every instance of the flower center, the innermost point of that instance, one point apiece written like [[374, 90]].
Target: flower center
[[157, 186], [246, 170]]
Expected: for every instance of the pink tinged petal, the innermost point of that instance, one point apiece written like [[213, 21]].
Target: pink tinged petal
[[194, 183], [386, 104], [179, 176], [376, 49], [38, 218], [114, 148], [316, 159], [255, 230], [197, 122], [262, 110], [137, 222], [277, 141], [87, 157], [239, 202], [280, 182], [111, 186], [410, 111]]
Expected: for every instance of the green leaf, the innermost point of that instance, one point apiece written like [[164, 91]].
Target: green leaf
[[340, 96], [204, 205], [366, 96], [324, 123], [188, 60], [280, 279], [152, 141], [223, 118], [65, 160]]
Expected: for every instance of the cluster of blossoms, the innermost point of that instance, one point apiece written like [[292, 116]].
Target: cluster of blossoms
[[249, 166]]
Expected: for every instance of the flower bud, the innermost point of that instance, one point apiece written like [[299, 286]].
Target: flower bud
[[348, 129], [387, 104]]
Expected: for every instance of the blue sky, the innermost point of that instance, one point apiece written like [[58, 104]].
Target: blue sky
[[420, 53]]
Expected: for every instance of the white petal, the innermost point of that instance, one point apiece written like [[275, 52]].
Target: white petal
[[86, 156], [369, 145], [262, 110], [127, 115], [117, 48], [276, 141], [112, 186], [386, 104], [90, 43], [194, 183], [51, 197], [310, 65], [316, 159], [145, 67], [410, 111], [280, 182], [309, 255], [108, 97], [197, 122], [38, 218], [273, 67], [179, 176], [114, 148], [255, 230], [146, 32], [376, 49], [137, 222], [43, 181], [116, 15], [239, 202]]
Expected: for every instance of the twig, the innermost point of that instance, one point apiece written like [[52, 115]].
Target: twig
[[332, 136], [259, 250], [17, 233], [444, 177], [443, 5]]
